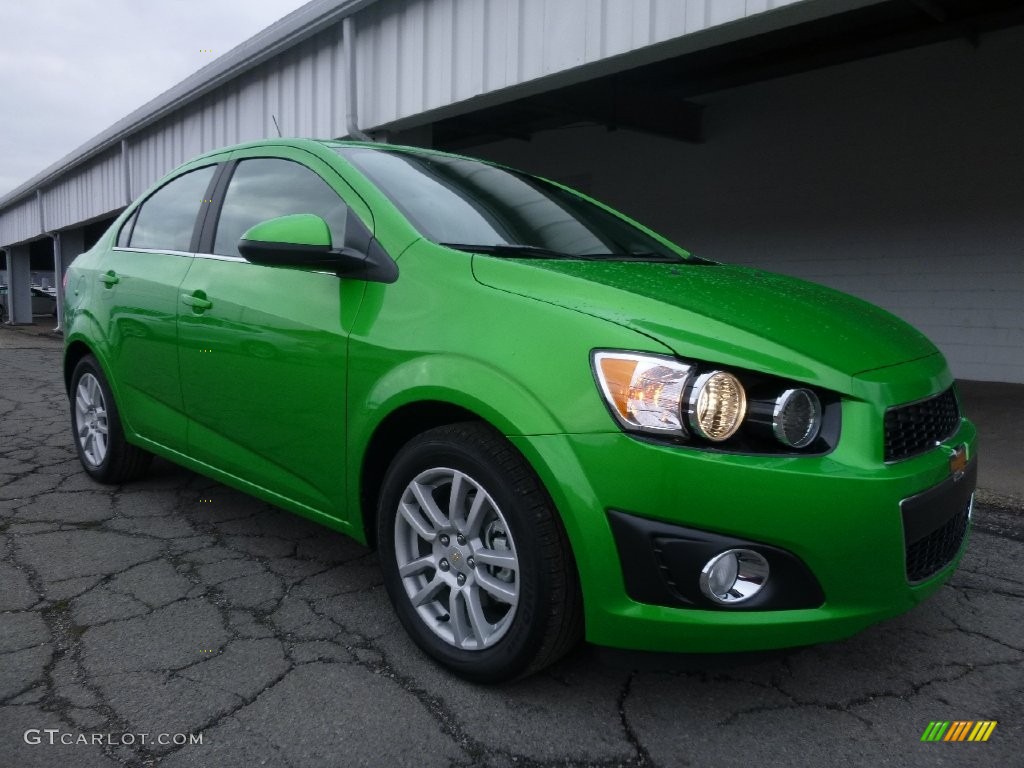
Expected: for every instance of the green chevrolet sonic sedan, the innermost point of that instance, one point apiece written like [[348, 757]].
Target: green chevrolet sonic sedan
[[550, 422]]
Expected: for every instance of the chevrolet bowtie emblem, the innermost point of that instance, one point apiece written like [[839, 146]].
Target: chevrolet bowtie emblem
[[456, 557]]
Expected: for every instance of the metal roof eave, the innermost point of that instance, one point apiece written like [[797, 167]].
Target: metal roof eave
[[292, 29]]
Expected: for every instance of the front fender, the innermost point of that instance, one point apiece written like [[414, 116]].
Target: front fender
[[487, 391]]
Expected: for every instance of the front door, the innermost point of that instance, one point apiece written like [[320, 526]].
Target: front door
[[263, 349]]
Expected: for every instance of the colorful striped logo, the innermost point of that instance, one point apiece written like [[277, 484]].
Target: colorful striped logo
[[958, 730]]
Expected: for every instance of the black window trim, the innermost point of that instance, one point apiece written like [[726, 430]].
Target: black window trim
[[128, 225], [207, 235], [204, 209], [206, 231]]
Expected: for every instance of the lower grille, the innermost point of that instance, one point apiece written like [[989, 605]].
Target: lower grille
[[931, 554]]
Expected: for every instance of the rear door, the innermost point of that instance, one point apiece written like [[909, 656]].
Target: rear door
[[263, 349], [138, 290]]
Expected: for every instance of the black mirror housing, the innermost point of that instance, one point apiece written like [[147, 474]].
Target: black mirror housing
[[362, 257]]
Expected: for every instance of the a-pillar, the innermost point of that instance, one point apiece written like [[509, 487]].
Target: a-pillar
[[19, 286]]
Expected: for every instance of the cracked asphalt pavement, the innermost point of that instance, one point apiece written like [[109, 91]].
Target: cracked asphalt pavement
[[175, 605]]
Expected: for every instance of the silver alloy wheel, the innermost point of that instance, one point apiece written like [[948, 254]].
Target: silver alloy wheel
[[91, 419], [456, 558]]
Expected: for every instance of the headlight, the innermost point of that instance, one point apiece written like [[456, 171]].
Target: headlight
[[740, 411], [644, 392], [717, 404], [797, 418]]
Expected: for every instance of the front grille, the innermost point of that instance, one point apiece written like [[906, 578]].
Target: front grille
[[914, 428], [932, 553]]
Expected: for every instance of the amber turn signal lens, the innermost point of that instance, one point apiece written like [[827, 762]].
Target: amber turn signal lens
[[618, 373], [645, 392]]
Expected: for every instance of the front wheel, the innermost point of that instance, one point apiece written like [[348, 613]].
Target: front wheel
[[475, 559], [96, 426]]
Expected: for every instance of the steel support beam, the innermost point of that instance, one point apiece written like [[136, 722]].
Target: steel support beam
[[126, 176], [19, 286], [348, 41], [58, 279]]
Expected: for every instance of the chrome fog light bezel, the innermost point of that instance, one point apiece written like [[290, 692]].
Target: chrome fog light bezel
[[751, 576]]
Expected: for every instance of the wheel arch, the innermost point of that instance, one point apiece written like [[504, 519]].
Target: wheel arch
[[422, 393], [395, 430], [75, 351], [406, 421]]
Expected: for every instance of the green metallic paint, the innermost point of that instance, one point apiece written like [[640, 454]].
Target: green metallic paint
[[842, 520], [732, 315], [296, 229], [278, 387], [244, 361]]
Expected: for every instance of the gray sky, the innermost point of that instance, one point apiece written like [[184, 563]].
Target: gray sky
[[70, 68]]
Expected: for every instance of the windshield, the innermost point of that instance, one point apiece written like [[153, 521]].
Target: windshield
[[478, 207]]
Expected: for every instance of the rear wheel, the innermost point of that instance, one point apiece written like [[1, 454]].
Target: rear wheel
[[475, 559], [96, 425]]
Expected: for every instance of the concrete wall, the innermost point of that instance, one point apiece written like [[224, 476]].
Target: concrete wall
[[899, 179]]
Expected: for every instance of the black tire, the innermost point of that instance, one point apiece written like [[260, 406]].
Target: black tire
[[120, 461], [547, 618]]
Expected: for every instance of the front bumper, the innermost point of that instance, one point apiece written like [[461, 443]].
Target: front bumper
[[837, 515]]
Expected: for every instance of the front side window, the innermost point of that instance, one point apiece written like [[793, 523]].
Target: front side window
[[480, 207], [265, 188], [168, 216]]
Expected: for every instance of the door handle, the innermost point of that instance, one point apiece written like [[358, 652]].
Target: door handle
[[197, 301], [109, 278]]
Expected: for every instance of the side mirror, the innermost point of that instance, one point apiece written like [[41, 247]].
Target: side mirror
[[304, 240]]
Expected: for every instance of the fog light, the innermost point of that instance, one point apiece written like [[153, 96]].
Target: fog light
[[733, 576]]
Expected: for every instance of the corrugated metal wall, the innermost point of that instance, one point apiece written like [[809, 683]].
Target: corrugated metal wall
[[417, 56], [94, 189], [303, 88], [20, 221], [412, 56]]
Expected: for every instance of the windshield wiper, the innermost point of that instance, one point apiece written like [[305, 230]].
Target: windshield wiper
[[644, 256], [537, 252], [512, 249]]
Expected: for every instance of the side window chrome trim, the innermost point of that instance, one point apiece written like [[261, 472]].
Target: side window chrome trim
[[220, 257], [129, 249], [214, 256]]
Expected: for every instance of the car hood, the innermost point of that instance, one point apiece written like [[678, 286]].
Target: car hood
[[719, 313]]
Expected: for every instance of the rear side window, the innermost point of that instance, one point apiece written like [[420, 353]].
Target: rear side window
[[168, 216], [265, 188]]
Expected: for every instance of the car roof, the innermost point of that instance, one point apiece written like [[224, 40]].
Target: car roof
[[315, 145]]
